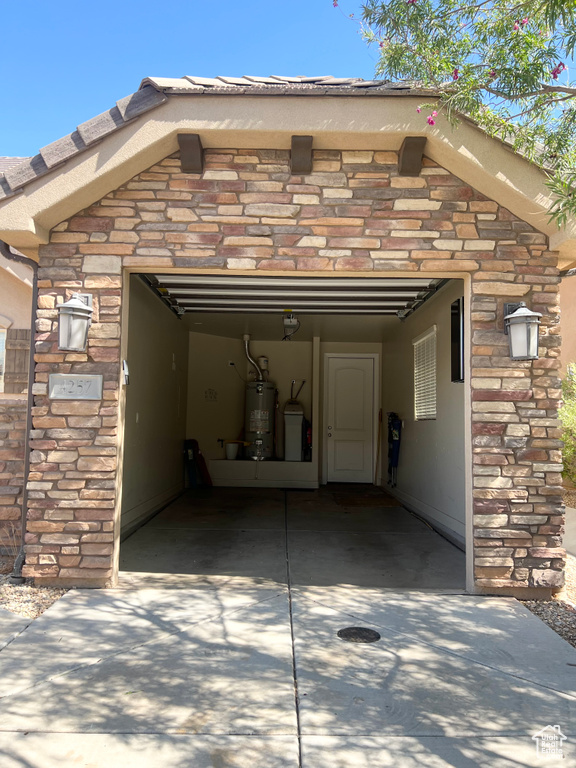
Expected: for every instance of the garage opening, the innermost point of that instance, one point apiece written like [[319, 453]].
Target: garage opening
[[316, 418]]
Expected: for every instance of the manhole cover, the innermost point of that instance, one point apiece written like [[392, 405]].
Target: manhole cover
[[358, 635]]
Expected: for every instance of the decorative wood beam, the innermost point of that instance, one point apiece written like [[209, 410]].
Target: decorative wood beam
[[301, 155], [410, 156], [191, 153]]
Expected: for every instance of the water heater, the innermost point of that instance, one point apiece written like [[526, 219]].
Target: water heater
[[260, 414], [259, 419]]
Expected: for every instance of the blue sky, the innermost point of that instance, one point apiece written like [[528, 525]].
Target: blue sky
[[64, 62]]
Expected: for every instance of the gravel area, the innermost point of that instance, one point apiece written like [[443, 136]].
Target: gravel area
[[26, 599], [560, 616]]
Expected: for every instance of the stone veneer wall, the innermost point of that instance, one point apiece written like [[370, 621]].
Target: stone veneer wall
[[354, 214], [12, 432]]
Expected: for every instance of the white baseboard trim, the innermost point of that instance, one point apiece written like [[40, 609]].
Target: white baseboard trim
[[256, 483], [437, 519], [136, 516]]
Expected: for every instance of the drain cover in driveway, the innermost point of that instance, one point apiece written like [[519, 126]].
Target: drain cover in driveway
[[358, 635]]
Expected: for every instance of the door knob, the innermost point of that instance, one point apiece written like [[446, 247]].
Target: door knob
[[329, 434], [329, 427]]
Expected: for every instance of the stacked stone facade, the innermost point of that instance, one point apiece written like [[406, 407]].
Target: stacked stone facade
[[12, 431], [353, 215]]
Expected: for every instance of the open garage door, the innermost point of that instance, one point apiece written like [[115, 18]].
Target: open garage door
[[189, 378]]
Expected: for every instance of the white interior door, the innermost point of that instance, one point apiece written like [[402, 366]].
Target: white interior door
[[349, 429]]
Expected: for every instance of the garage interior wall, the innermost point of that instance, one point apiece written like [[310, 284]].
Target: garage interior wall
[[431, 470], [216, 392], [203, 399], [156, 398]]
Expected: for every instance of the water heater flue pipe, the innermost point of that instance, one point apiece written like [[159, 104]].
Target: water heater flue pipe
[[259, 374]]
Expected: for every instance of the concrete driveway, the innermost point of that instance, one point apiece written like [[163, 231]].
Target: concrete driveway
[[244, 671]]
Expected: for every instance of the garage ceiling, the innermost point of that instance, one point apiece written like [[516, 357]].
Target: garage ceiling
[[306, 295]]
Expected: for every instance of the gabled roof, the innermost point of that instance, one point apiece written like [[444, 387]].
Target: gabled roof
[[18, 175], [153, 92], [277, 85], [103, 153]]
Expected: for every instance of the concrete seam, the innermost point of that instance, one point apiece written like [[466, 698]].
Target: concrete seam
[[129, 648], [294, 670], [15, 636], [448, 652]]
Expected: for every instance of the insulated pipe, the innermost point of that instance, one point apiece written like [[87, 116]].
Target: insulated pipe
[[259, 375], [16, 575]]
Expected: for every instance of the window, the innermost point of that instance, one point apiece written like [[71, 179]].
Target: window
[[457, 340], [425, 375], [2, 357]]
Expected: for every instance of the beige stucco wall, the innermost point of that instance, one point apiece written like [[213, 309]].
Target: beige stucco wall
[[432, 467], [568, 321], [155, 406], [15, 295]]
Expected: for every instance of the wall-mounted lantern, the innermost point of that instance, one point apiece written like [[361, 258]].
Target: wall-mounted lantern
[[521, 325], [74, 320]]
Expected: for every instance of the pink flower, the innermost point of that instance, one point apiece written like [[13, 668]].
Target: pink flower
[[455, 75], [430, 120], [492, 73], [381, 45], [335, 3], [418, 110], [524, 21], [411, 2], [557, 70], [516, 26], [434, 114]]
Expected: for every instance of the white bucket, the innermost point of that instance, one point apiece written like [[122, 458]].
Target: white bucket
[[231, 450]]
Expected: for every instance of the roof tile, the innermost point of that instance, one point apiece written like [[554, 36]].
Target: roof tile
[[172, 84], [203, 80], [5, 190], [59, 151], [25, 172], [316, 79], [234, 80], [100, 126], [265, 80], [141, 101], [9, 162], [283, 79]]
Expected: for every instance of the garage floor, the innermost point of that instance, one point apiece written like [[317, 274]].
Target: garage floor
[[340, 534]]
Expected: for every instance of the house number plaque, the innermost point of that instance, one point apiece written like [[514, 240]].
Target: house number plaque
[[71, 386]]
